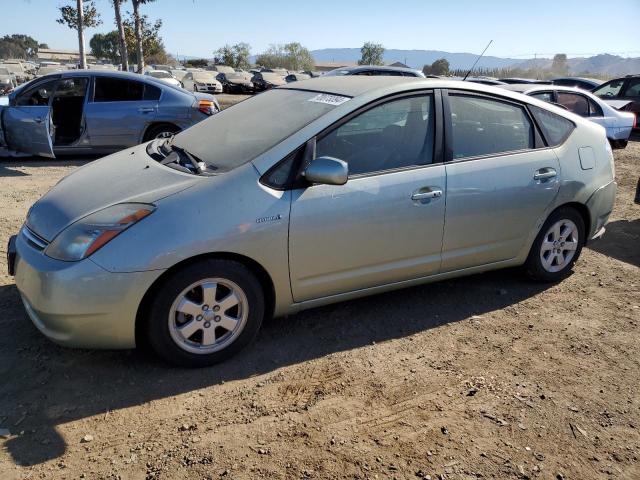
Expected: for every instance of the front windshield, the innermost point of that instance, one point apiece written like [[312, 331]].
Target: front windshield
[[240, 133], [160, 74]]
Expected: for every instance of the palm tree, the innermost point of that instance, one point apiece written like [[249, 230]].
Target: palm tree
[[138, 31], [124, 54]]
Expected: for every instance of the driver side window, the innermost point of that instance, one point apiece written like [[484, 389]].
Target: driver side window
[[396, 134], [38, 95], [610, 89]]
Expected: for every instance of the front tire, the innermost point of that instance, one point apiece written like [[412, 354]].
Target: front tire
[[205, 313], [557, 247]]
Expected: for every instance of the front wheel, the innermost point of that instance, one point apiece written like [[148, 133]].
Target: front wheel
[[205, 313], [557, 247]]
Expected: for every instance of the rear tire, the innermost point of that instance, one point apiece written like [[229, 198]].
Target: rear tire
[[557, 246], [205, 313], [618, 144], [160, 131]]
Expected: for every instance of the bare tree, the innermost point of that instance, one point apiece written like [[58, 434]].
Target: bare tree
[[124, 54], [138, 31]]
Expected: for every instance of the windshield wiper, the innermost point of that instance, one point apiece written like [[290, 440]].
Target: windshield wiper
[[197, 164]]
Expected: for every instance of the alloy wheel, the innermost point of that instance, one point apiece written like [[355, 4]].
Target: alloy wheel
[[208, 315], [559, 245]]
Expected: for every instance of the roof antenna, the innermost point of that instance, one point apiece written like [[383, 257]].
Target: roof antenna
[[477, 59]]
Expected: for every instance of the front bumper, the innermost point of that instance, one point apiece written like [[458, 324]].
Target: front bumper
[[79, 304]]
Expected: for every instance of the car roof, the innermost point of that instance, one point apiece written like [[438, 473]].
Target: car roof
[[584, 79], [381, 68]]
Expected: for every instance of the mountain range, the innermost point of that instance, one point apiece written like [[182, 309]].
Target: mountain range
[[604, 64]]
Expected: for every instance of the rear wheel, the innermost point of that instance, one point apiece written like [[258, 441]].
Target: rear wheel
[[617, 144], [557, 246], [205, 313], [160, 131]]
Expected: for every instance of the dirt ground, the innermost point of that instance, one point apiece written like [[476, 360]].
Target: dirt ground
[[483, 377]]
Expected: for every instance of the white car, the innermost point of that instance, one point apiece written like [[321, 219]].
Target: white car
[[617, 123], [165, 77], [201, 81]]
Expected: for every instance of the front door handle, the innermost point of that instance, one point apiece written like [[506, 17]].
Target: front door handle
[[146, 109], [545, 173], [426, 195], [38, 119]]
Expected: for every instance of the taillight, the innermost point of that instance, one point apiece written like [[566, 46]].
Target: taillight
[[207, 107]]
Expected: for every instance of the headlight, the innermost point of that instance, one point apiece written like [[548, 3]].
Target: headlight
[[94, 231]]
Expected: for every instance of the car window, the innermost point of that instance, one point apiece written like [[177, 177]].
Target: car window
[[188, 76], [482, 126], [110, 89], [555, 128], [396, 134], [151, 92], [573, 102], [544, 96], [609, 89], [39, 95], [71, 87], [632, 89], [594, 109]]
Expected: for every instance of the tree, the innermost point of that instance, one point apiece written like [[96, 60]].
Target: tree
[[151, 41], [559, 64], [197, 63], [291, 56], [138, 30], [440, 67], [107, 46], [236, 56], [124, 54], [371, 54], [84, 15], [18, 46]]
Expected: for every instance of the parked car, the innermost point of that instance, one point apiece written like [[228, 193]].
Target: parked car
[[512, 80], [97, 111], [202, 236], [7, 81], [237, 82], [617, 124], [201, 81], [178, 74], [485, 81], [296, 77], [622, 93], [280, 71], [375, 70], [312, 73], [164, 77], [18, 69], [580, 82], [266, 80], [221, 69]]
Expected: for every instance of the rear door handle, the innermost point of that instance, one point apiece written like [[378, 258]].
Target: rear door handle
[[38, 119], [426, 195], [545, 173]]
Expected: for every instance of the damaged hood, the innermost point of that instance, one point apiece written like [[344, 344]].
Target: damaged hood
[[127, 176]]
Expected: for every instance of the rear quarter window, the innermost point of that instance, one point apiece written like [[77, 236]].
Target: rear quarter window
[[556, 129]]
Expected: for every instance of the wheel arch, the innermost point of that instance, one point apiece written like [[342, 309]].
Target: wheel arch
[[256, 268], [582, 209], [153, 125]]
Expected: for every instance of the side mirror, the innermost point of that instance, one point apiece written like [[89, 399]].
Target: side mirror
[[327, 171]]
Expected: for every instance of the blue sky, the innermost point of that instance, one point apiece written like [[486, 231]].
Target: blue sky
[[518, 29]]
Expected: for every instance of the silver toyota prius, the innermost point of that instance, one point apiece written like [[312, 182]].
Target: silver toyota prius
[[334, 188]]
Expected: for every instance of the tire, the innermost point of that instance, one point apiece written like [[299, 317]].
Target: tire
[[557, 246], [186, 340], [158, 131], [618, 144]]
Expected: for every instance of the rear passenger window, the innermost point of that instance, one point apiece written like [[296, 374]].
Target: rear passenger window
[[556, 129], [151, 92], [544, 96], [117, 90], [575, 103], [482, 126]]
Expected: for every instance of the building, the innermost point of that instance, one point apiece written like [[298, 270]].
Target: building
[[62, 56]]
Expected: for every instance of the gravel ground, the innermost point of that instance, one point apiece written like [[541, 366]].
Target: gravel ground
[[483, 377]]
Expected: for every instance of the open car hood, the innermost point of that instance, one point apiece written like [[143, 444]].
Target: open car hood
[[618, 104], [127, 176]]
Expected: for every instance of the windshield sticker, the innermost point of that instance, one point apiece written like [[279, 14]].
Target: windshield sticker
[[329, 99]]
